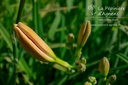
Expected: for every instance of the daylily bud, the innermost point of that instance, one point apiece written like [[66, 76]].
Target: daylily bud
[[81, 67], [84, 33], [83, 60], [92, 79], [35, 46], [104, 66], [112, 79], [71, 38], [87, 83]]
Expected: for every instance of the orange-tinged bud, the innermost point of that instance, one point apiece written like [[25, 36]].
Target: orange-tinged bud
[[32, 43], [84, 33], [35, 46], [104, 66]]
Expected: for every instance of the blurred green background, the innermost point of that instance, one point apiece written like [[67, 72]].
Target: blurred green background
[[53, 20]]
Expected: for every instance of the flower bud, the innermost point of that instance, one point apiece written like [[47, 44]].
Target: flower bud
[[83, 60], [92, 79], [35, 46], [87, 83], [71, 38], [84, 33], [112, 79], [81, 67], [104, 66]]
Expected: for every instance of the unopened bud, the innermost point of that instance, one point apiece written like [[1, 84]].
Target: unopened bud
[[35, 46], [112, 78], [84, 33], [87, 83], [83, 60], [92, 79], [71, 38], [81, 67], [104, 66]]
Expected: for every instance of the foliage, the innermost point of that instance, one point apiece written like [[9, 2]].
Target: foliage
[[53, 20]]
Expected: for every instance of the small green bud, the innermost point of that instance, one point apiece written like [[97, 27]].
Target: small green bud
[[84, 33], [92, 79], [71, 38], [87, 83], [81, 67], [112, 79], [83, 60], [104, 66]]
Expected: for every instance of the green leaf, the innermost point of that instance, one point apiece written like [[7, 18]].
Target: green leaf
[[24, 67], [123, 57], [6, 36], [54, 25], [69, 4]]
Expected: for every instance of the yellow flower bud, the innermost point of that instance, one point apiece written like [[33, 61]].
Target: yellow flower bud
[[104, 66], [87, 83], [84, 33], [35, 46]]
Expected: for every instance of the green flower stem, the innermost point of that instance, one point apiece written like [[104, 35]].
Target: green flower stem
[[21, 6], [105, 78], [64, 64], [77, 55], [101, 81]]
